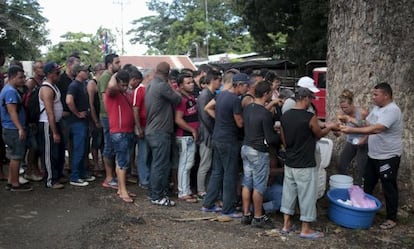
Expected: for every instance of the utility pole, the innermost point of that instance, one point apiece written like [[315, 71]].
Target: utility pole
[[207, 33], [121, 3]]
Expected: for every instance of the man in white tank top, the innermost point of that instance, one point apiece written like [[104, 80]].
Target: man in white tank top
[[51, 110]]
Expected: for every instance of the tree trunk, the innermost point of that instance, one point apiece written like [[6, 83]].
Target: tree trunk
[[370, 42]]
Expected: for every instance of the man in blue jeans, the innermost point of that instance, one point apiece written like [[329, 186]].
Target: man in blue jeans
[[78, 103], [227, 111], [159, 101]]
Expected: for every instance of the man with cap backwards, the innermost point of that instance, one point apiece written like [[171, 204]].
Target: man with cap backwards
[[51, 143], [299, 132], [78, 103]]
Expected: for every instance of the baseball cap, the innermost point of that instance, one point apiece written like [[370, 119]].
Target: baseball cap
[[241, 77], [81, 67], [307, 82], [50, 67], [303, 92]]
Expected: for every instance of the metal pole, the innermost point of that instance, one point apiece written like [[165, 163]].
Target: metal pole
[[206, 9]]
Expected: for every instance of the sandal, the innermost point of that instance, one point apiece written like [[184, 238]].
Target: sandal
[[188, 198], [98, 173], [286, 232], [388, 224], [314, 235]]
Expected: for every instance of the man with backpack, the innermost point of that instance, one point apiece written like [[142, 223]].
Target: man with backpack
[[31, 99], [51, 143]]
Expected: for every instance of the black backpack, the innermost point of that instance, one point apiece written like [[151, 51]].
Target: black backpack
[[31, 103]]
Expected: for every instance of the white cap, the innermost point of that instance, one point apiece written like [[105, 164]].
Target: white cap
[[308, 83]]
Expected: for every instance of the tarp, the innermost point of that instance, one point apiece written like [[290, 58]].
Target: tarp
[[256, 64]]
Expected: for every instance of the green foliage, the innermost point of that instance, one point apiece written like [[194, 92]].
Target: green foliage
[[25, 28], [180, 26], [88, 46], [292, 29]]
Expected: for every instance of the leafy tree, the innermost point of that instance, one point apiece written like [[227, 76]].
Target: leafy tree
[[294, 29], [25, 28], [182, 23], [88, 46]]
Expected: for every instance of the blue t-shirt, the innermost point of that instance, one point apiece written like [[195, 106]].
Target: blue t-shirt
[[225, 128], [80, 97], [10, 95]]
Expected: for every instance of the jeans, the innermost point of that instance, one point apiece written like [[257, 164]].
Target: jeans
[[160, 148], [79, 135], [206, 154], [186, 147], [272, 198], [224, 176], [143, 162], [108, 151], [123, 144], [255, 169], [52, 154]]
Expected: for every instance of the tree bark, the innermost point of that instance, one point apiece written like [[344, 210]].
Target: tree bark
[[370, 42]]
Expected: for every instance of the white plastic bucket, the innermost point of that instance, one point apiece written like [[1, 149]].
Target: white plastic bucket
[[340, 181]]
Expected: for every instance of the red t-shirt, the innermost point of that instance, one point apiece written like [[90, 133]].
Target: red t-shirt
[[190, 115], [119, 108], [139, 101]]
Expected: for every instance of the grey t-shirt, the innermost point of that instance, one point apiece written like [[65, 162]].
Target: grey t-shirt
[[388, 143], [206, 122], [159, 101]]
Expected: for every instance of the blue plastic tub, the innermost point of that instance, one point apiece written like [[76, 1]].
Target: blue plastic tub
[[348, 216]]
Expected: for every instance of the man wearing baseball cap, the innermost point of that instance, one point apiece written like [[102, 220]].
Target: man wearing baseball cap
[[306, 83]]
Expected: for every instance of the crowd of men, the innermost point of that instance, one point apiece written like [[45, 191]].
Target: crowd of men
[[164, 122]]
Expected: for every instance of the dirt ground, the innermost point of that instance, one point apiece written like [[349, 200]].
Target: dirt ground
[[94, 217]]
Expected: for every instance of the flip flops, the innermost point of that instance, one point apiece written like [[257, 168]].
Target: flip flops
[[286, 232], [188, 198], [388, 224], [314, 235]]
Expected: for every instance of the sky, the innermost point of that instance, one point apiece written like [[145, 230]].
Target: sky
[[87, 16]]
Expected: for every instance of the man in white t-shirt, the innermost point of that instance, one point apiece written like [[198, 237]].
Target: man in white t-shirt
[[384, 148]]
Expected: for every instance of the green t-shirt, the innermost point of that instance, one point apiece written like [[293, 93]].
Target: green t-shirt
[[102, 85]]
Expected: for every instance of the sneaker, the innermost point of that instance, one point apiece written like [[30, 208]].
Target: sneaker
[[213, 209], [21, 188], [33, 177], [8, 186], [57, 186], [163, 202], [201, 196], [89, 178], [246, 219], [79, 183], [234, 215], [111, 184], [23, 180], [263, 222]]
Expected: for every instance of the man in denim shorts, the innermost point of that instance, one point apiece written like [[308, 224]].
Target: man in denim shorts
[[13, 124], [121, 128], [259, 134]]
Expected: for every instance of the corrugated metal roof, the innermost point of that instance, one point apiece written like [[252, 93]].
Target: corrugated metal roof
[[151, 61]]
